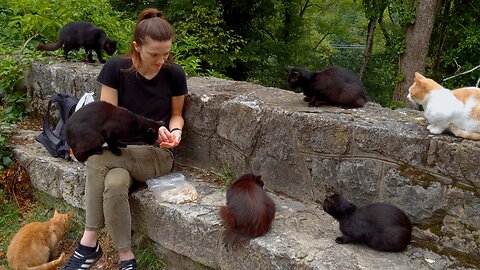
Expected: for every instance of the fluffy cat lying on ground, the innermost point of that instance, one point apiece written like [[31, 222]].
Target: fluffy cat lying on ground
[[457, 110], [381, 226], [35, 244]]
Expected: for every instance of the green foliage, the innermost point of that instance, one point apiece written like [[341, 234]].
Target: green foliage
[[9, 225], [13, 102], [27, 23], [455, 43], [403, 12], [145, 253], [202, 43], [226, 176], [40, 21]]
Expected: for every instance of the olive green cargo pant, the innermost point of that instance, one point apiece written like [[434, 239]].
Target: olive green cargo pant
[[109, 178]]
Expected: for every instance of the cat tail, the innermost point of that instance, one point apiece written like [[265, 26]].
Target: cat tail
[[463, 133], [231, 235], [50, 265], [50, 47]]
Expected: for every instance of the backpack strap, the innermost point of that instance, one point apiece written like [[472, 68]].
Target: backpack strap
[[67, 102], [46, 125]]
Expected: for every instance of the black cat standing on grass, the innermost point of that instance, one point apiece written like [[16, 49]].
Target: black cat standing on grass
[[335, 86], [146, 82], [76, 35], [381, 226]]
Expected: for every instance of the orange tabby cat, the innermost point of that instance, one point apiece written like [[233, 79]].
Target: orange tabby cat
[[35, 244], [457, 110]]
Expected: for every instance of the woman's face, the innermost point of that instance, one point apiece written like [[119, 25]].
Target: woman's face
[[153, 53]]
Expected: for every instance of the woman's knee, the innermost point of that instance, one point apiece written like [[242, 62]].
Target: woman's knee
[[117, 182], [99, 161]]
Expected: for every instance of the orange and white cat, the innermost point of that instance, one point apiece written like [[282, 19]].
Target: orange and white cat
[[36, 243], [456, 110]]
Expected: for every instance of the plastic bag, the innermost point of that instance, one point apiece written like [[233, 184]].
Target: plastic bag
[[172, 188], [84, 100]]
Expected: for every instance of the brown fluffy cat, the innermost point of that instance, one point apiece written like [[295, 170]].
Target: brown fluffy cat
[[35, 244], [457, 110], [249, 212]]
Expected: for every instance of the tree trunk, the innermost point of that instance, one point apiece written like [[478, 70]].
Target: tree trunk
[[417, 39], [368, 47]]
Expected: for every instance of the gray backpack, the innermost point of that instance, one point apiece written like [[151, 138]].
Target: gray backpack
[[54, 140]]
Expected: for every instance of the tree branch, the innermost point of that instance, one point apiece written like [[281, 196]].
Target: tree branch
[[324, 7], [463, 73], [324, 36]]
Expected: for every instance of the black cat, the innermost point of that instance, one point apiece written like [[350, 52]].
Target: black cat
[[334, 86], [75, 35], [381, 226], [99, 122]]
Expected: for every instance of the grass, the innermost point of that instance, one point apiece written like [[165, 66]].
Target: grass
[[12, 218], [226, 176], [144, 251], [9, 216]]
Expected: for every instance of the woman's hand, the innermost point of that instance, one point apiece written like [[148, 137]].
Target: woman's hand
[[167, 139]]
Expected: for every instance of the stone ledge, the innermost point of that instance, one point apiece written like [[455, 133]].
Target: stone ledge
[[302, 236], [371, 153]]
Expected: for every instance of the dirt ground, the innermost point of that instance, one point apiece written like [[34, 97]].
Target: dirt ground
[[16, 184]]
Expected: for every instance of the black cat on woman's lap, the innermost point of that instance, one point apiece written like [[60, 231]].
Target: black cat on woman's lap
[[335, 86], [381, 226], [99, 122]]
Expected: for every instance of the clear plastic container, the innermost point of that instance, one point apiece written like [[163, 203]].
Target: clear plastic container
[[172, 188]]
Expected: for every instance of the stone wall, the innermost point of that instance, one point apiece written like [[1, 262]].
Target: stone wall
[[370, 154]]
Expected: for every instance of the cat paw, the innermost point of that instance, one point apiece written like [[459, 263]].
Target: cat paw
[[339, 240], [116, 152], [435, 130], [62, 258]]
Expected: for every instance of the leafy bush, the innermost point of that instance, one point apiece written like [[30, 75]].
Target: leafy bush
[[203, 46], [27, 23]]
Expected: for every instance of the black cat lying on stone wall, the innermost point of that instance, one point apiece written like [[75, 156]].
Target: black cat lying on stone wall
[[335, 86]]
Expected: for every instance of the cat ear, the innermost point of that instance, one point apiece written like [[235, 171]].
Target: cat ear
[[258, 178], [150, 131], [419, 77]]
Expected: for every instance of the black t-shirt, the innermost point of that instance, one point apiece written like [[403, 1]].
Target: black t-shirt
[[149, 98]]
